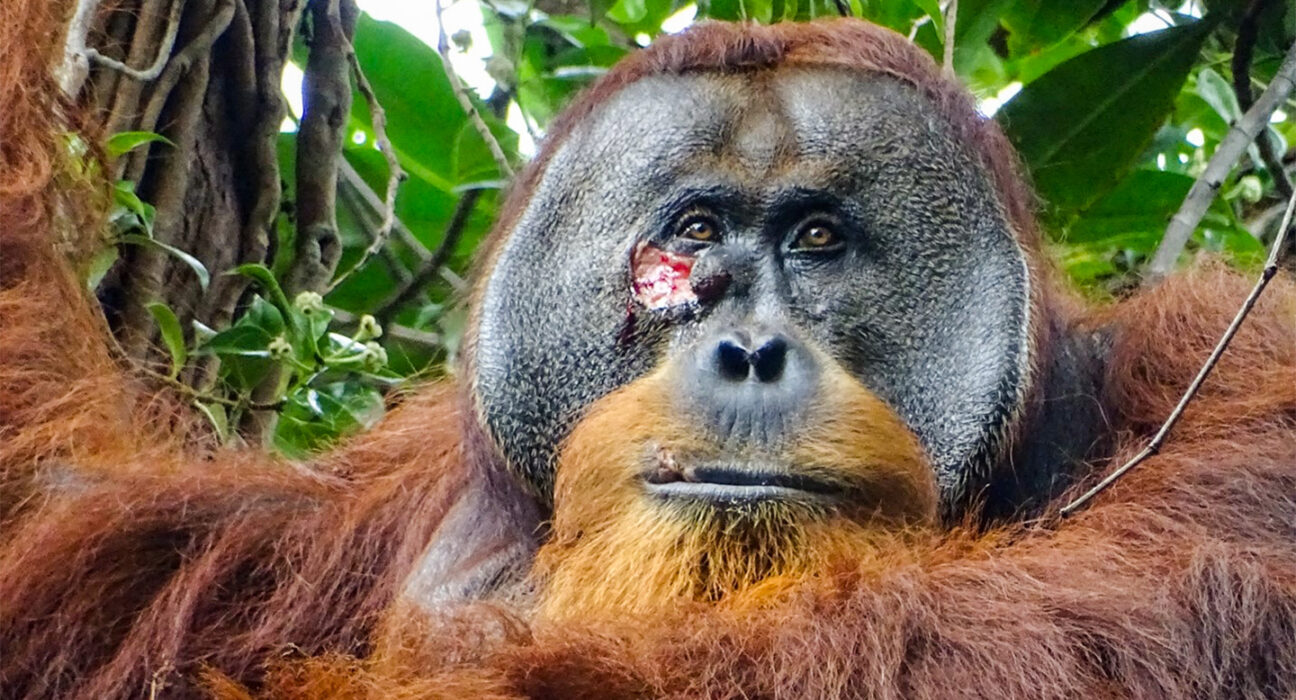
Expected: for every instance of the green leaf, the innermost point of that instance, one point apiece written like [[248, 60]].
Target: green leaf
[[202, 332], [932, 9], [727, 10], [245, 371], [576, 30], [344, 353], [417, 120], [1240, 246], [244, 347], [899, 15], [304, 331], [99, 266], [628, 11], [1142, 202], [264, 315], [472, 157], [1215, 90], [124, 196], [313, 418], [127, 141], [172, 335], [238, 340], [1083, 125], [266, 279], [760, 10], [285, 314], [1037, 23], [204, 277], [976, 21], [215, 414]]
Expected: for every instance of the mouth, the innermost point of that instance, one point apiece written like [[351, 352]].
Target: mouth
[[726, 483]]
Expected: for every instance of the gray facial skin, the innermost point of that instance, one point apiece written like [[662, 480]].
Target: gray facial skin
[[925, 301]]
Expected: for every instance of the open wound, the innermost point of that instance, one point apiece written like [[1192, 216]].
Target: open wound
[[661, 278]]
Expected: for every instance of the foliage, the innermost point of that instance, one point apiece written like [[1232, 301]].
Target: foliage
[[1114, 105]]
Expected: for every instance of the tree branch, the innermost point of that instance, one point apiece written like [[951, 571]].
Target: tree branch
[[164, 51], [461, 94], [326, 92], [355, 204], [263, 42], [1154, 446], [432, 266], [172, 176], [951, 21], [76, 67], [198, 48], [395, 174], [425, 339], [1217, 169], [1243, 49], [352, 180]]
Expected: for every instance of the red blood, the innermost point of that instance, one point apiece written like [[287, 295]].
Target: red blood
[[661, 278]]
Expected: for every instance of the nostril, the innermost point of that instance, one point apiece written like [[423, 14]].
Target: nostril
[[733, 362], [768, 360]]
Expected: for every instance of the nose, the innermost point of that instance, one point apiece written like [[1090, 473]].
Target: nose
[[750, 386], [737, 361]]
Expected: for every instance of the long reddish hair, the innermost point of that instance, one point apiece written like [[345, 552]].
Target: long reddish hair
[[135, 557]]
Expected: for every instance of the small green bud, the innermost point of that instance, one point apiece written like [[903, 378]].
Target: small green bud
[[280, 348], [375, 356], [369, 328], [309, 302], [1249, 189], [501, 70]]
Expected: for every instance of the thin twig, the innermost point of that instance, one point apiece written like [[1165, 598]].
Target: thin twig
[[351, 180], [394, 172], [177, 68], [430, 267], [461, 94], [164, 51], [1243, 50], [353, 202], [1231, 148], [137, 366], [413, 336], [951, 20], [76, 67], [1270, 269]]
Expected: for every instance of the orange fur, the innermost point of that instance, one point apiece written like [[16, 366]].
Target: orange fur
[[616, 550], [137, 558], [1179, 582]]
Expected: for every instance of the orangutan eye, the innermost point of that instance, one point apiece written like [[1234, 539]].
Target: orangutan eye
[[698, 228], [816, 237]]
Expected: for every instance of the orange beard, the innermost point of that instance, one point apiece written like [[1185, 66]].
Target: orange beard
[[617, 549]]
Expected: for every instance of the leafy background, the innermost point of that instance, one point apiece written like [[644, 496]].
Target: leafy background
[[1115, 107]]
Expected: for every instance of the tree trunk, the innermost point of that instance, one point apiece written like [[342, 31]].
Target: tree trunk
[[217, 190]]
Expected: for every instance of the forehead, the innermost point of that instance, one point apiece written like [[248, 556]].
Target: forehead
[[800, 125]]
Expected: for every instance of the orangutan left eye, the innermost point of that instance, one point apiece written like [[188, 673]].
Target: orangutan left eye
[[816, 237]]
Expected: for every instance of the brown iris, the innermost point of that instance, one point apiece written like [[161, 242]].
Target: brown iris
[[816, 236], [698, 228]]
